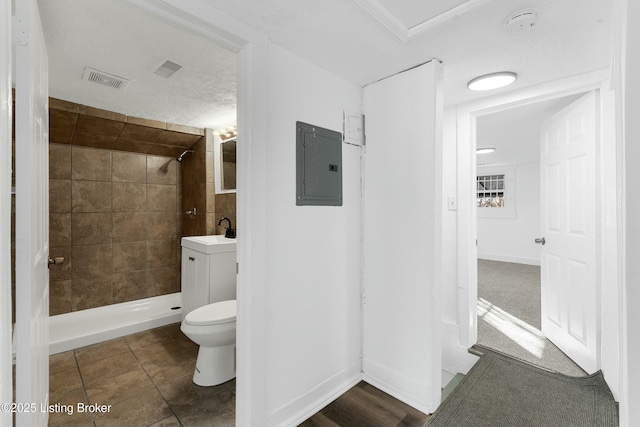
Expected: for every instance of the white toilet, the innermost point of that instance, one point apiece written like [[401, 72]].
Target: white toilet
[[213, 328], [209, 305]]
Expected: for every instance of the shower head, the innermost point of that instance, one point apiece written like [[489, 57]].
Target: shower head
[[179, 158]]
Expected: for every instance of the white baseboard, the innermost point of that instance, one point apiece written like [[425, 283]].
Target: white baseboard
[[401, 387], [509, 258], [306, 405]]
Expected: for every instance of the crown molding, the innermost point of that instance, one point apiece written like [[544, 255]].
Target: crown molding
[[403, 34]]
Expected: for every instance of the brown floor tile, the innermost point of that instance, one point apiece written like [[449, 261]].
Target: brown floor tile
[[180, 394], [217, 411], [105, 369], [64, 381], [61, 362], [172, 421], [162, 371], [189, 345], [85, 421], [168, 349], [145, 377], [120, 387], [141, 410], [231, 385], [101, 351], [174, 330], [66, 400], [146, 338]]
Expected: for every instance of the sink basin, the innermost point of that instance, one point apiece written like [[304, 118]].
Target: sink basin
[[209, 244]]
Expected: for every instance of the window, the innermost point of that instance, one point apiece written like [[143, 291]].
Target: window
[[495, 192], [490, 191]]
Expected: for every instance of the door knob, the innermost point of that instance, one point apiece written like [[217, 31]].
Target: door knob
[[540, 241], [56, 261]]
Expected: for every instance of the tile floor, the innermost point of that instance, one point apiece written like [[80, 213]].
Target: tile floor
[[145, 377]]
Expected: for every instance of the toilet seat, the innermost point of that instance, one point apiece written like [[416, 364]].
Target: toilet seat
[[212, 314]]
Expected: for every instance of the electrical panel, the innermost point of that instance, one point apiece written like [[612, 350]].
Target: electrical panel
[[319, 166]]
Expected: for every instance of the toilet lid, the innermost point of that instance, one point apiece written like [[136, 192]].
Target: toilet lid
[[213, 314]]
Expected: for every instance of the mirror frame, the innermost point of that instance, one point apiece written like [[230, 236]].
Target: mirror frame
[[217, 161]]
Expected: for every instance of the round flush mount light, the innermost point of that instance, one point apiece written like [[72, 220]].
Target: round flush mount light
[[485, 150], [492, 81]]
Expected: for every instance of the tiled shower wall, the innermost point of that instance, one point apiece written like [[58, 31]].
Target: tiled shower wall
[[199, 191], [115, 218]]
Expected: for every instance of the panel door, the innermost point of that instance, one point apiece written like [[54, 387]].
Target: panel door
[[568, 223], [32, 218], [5, 209]]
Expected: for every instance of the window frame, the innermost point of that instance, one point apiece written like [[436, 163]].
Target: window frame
[[508, 211]]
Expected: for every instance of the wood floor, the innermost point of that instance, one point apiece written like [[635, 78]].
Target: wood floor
[[366, 406]]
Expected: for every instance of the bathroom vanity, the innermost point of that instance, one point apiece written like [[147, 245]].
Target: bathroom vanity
[[208, 271]]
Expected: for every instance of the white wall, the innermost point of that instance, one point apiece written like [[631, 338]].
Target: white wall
[[610, 255], [512, 239], [401, 263], [449, 248], [629, 408], [455, 357], [313, 253]]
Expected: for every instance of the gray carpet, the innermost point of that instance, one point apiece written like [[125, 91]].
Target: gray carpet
[[503, 392], [509, 316]]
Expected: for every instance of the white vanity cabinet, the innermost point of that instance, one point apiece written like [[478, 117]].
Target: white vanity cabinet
[[208, 271]]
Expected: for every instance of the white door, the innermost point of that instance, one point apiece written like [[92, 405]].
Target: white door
[[401, 316], [32, 215], [568, 223], [5, 209]]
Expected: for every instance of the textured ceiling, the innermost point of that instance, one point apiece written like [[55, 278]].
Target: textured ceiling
[[116, 38], [572, 37]]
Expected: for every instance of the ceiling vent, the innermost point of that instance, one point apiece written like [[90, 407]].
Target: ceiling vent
[[105, 79], [167, 69], [523, 22]]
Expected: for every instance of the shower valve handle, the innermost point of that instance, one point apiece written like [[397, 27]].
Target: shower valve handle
[[192, 212], [56, 261]]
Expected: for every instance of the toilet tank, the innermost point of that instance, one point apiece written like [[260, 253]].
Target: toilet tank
[[208, 271]]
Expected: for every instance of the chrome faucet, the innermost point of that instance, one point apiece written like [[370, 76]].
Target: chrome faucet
[[231, 232]]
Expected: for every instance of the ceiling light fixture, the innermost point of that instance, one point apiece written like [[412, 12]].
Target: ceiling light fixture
[[485, 150], [492, 81], [228, 133]]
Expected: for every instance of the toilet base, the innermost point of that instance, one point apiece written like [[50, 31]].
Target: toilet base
[[215, 365]]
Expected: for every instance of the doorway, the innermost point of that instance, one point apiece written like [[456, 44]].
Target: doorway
[[467, 116], [250, 110], [508, 222]]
